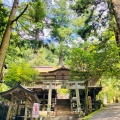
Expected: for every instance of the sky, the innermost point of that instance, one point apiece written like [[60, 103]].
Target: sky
[[10, 2]]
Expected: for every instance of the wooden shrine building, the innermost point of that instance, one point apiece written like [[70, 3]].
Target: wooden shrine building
[[50, 80], [21, 102]]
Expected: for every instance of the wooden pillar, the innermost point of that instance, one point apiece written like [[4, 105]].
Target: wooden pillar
[[31, 112], [9, 110], [25, 117], [16, 108], [78, 97], [43, 108], [94, 95], [55, 107], [49, 98], [56, 104]]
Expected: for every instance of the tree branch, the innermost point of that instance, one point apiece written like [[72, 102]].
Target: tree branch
[[20, 14]]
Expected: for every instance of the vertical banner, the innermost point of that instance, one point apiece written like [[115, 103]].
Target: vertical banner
[[36, 110]]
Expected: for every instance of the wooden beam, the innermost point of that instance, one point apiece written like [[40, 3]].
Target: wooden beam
[[74, 87], [68, 82], [52, 81]]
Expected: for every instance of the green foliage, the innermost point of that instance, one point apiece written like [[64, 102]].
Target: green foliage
[[110, 89], [107, 57], [93, 60], [20, 72], [3, 87], [81, 63], [61, 13], [91, 19], [61, 28], [84, 23], [43, 57], [64, 32], [81, 5], [18, 49], [31, 22], [3, 19], [61, 21], [63, 91], [79, 21], [37, 11], [93, 113]]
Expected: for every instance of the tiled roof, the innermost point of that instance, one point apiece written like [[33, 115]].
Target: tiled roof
[[20, 92], [48, 68]]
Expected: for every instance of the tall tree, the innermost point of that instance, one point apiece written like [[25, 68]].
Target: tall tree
[[115, 8], [60, 16], [89, 7], [31, 23], [92, 16], [6, 37], [93, 60]]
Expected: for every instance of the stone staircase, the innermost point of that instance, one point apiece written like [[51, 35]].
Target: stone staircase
[[63, 107], [63, 111]]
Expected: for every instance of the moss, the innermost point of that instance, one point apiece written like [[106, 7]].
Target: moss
[[93, 113]]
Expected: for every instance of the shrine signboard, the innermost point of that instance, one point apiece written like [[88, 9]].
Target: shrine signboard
[[36, 110]]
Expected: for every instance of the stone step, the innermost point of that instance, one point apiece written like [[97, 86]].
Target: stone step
[[63, 108], [62, 117], [63, 102], [63, 105]]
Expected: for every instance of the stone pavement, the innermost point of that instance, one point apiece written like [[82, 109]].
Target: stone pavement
[[111, 112]]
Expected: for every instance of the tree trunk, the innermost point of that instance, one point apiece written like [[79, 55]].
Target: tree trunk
[[116, 11], [60, 60], [37, 38], [86, 97], [61, 55], [6, 37]]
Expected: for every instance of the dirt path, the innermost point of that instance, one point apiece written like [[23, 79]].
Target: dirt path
[[111, 112]]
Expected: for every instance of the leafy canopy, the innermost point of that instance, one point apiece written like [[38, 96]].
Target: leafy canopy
[[95, 59], [20, 72]]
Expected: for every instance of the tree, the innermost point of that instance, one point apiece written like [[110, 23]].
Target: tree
[[6, 37], [31, 22], [115, 10], [110, 88], [82, 68], [94, 60], [61, 31], [43, 57], [88, 8], [91, 17], [20, 72]]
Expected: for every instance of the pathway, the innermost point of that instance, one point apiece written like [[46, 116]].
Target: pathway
[[111, 112]]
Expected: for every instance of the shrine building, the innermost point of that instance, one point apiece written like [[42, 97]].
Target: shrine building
[[47, 86]]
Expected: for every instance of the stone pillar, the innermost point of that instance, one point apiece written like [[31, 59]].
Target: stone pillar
[[49, 98], [78, 97]]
